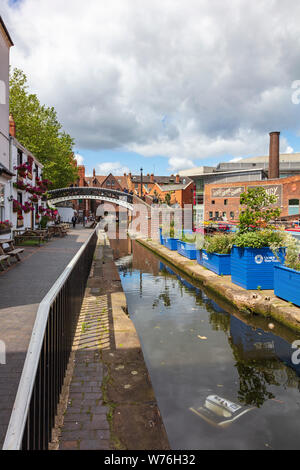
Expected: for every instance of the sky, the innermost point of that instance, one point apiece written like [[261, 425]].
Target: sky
[[162, 85]]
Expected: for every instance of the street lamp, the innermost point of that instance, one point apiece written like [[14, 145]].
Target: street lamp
[[141, 182]]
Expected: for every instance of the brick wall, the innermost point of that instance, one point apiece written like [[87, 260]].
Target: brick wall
[[287, 188]]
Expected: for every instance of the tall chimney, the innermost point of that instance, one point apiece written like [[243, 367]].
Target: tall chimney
[[274, 155], [177, 179], [94, 172], [12, 126]]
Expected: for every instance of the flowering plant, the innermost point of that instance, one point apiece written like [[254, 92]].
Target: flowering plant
[[27, 207], [16, 206], [5, 224], [20, 216], [20, 185], [23, 169]]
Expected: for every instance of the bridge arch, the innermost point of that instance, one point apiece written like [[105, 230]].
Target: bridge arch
[[101, 194]]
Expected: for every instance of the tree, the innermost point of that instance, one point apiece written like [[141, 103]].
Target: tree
[[168, 198], [259, 209], [38, 129]]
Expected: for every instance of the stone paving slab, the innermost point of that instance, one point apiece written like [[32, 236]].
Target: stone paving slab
[[22, 287]]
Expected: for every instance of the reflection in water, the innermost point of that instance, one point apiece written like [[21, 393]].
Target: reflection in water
[[212, 372]]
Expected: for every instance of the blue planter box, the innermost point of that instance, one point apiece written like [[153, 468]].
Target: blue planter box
[[171, 243], [219, 264], [199, 257], [287, 284], [187, 249], [161, 237], [253, 267]]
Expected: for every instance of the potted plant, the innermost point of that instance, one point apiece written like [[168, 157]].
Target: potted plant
[[186, 245], [169, 239], [216, 253], [252, 258], [287, 275], [5, 227]]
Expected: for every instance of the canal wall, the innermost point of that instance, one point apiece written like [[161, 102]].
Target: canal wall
[[134, 416], [262, 302]]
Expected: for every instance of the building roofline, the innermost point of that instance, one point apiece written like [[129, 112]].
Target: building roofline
[[6, 31]]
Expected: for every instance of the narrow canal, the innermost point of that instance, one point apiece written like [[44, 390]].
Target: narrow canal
[[222, 380]]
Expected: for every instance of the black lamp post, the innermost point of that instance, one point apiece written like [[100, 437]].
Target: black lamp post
[[141, 182]]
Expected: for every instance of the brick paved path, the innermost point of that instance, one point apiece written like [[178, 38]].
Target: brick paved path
[[22, 287], [81, 422]]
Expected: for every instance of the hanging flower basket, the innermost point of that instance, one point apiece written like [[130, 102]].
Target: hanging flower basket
[[16, 206]]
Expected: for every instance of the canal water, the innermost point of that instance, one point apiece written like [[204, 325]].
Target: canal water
[[222, 380]]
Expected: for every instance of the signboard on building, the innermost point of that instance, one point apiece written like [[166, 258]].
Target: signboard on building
[[234, 191], [272, 189]]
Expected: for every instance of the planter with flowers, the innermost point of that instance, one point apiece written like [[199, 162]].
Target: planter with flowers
[[5, 227], [27, 207], [16, 206], [22, 170], [168, 237]]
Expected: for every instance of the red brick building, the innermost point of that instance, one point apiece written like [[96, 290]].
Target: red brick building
[[223, 200]]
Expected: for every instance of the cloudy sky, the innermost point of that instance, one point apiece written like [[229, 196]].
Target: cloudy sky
[[163, 84]]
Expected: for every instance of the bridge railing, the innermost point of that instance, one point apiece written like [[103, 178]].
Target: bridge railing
[[42, 378], [86, 191]]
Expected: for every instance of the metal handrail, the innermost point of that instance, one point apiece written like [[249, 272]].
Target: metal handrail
[[15, 431]]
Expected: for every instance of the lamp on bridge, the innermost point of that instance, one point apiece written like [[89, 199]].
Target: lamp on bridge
[[141, 182]]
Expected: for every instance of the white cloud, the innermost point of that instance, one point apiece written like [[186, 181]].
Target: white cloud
[[79, 158], [116, 168], [179, 79], [236, 159], [177, 164], [289, 149]]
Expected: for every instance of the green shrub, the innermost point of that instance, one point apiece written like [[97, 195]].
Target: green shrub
[[259, 239], [220, 243], [292, 251]]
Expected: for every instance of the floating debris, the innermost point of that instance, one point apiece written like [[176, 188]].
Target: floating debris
[[202, 337]]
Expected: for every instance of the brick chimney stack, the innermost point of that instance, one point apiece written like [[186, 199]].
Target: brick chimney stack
[[94, 173], [81, 174], [274, 155], [177, 179], [12, 126], [152, 178]]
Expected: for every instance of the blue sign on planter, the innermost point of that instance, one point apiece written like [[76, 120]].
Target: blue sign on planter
[[287, 284], [219, 264], [187, 249], [171, 243], [253, 267]]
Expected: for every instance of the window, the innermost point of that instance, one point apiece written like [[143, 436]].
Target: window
[[199, 199], [112, 183], [225, 202], [217, 214], [19, 198], [232, 215], [210, 214], [2, 213], [224, 215], [293, 206], [212, 201], [19, 157], [108, 184]]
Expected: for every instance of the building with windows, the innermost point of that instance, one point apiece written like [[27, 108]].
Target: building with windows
[[28, 214], [224, 182], [6, 172]]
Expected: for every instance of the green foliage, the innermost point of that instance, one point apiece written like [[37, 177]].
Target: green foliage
[[259, 211], [259, 239], [220, 243], [168, 198], [292, 252], [38, 129]]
